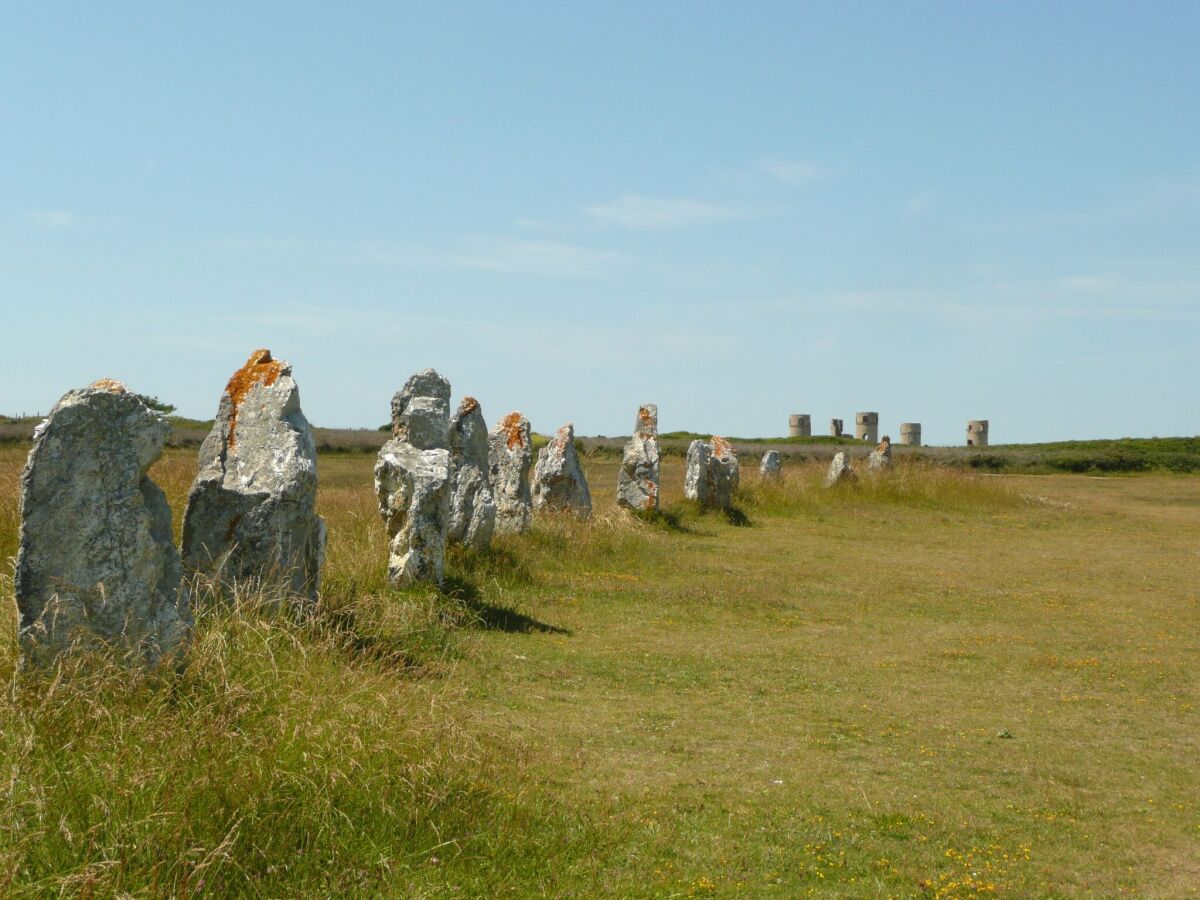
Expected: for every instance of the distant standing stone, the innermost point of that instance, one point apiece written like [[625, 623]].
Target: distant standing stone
[[771, 465], [412, 480], [510, 454], [96, 557], [712, 473], [472, 507], [252, 510], [558, 479], [839, 470], [881, 456], [637, 482]]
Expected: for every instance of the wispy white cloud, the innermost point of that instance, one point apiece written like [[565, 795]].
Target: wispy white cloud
[[639, 213], [51, 218], [795, 172], [499, 254], [1078, 298]]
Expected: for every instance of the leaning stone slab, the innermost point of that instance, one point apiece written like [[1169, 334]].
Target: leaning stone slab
[[840, 471], [558, 480], [472, 507], [881, 457], [509, 456], [97, 561], [712, 473], [251, 514], [412, 480], [638, 480], [771, 465]]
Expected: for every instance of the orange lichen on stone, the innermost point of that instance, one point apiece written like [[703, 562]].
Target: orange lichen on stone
[[468, 406], [108, 384], [884, 444], [644, 418], [510, 426], [260, 368], [721, 447]]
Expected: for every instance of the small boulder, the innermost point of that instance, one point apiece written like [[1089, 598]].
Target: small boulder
[[771, 465], [637, 481], [840, 471], [252, 511], [472, 507], [412, 480], [96, 560], [558, 480], [510, 454], [881, 456]]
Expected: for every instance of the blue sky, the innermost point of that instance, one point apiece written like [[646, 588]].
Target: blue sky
[[738, 211]]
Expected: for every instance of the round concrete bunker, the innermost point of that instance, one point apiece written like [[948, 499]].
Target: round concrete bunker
[[910, 434], [977, 433], [799, 425], [866, 426]]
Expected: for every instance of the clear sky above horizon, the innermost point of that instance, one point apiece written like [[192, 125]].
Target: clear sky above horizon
[[938, 211]]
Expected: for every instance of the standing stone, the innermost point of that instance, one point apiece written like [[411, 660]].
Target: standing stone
[[712, 473], [412, 480], [509, 456], [96, 559], [252, 511], [839, 470], [771, 465], [697, 484], [881, 456], [558, 480], [637, 482], [472, 508]]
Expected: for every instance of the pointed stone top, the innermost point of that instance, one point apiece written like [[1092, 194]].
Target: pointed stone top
[[467, 406], [515, 429], [646, 425], [107, 384], [260, 368]]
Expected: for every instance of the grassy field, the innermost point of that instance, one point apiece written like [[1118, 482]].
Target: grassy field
[[939, 684]]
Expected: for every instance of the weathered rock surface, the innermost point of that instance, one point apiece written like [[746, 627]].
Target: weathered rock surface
[[771, 465], [637, 482], [558, 480], [472, 507], [509, 456], [839, 470], [412, 480], [96, 558], [421, 411], [881, 457], [712, 472], [252, 511]]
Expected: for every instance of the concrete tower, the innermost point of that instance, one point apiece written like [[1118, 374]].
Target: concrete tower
[[836, 427], [866, 426], [910, 434], [977, 433], [799, 425]]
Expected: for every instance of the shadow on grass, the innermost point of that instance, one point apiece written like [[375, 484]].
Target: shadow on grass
[[736, 517], [665, 519], [492, 617]]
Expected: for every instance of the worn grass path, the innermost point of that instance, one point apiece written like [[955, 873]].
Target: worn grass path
[[878, 699]]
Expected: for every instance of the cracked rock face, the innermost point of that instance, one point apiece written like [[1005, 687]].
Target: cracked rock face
[[881, 456], [509, 456], [472, 507], [712, 473], [412, 480], [558, 480], [251, 515], [638, 480], [771, 465], [97, 561], [421, 411], [839, 470]]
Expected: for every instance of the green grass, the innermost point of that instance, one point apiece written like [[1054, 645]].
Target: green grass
[[926, 684]]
